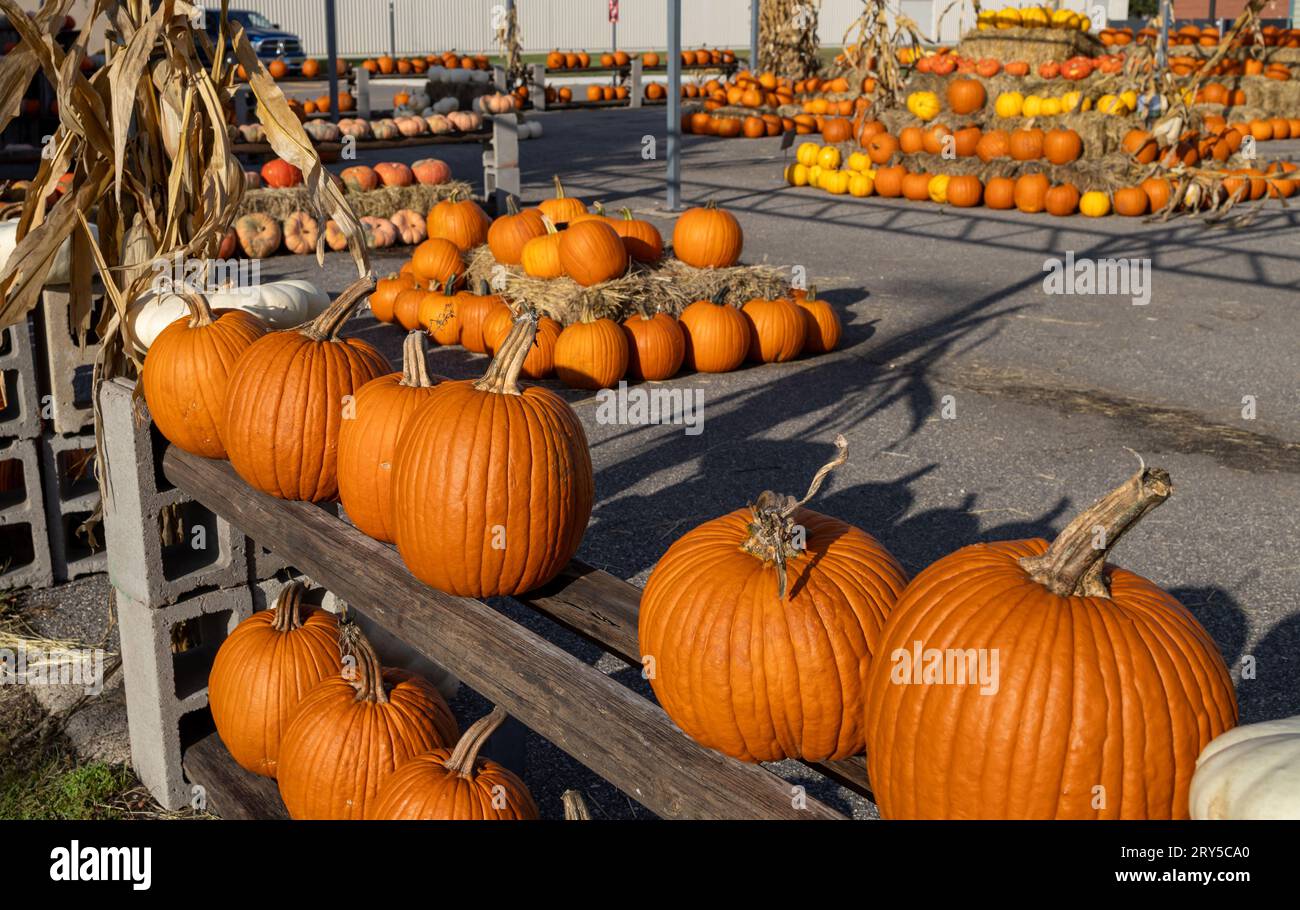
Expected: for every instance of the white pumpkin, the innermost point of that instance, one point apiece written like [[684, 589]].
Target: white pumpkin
[[59, 273], [446, 105], [1249, 772], [280, 304]]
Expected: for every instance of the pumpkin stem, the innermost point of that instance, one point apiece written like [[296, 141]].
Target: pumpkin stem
[[772, 532], [626, 213], [502, 374], [200, 309], [1075, 563], [559, 188], [288, 607], [369, 678], [512, 207], [466, 752], [550, 225], [326, 326], [575, 807], [415, 364]]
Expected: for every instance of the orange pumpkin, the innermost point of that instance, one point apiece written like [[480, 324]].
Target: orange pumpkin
[[591, 355], [561, 209], [367, 441], [288, 392], [541, 255], [716, 335], [459, 220], [472, 310], [641, 238], [436, 260], [1071, 731], [540, 362], [1027, 144], [1061, 146], [656, 346], [484, 543], [708, 237], [591, 252], [509, 232], [438, 313], [776, 330], [1131, 201], [999, 193], [822, 327], [1031, 192], [187, 370], [384, 298], [966, 96], [965, 191], [264, 669]]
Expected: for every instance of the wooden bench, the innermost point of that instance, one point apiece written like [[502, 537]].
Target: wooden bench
[[616, 732]]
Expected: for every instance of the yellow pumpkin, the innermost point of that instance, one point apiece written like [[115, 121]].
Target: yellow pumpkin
[[1050, 107], [807, 153], [796, 174], [829, 158], [836, 182], [1032, 106], [925, 105], [1009, 104], [1008, 18], [858, 162], [938, 188], [1095, 204], [861, 185]]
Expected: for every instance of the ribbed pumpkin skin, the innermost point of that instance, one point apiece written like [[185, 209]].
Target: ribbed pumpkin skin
[[384, 298], [776, 330], [760, 679], [708, 238], [822, 327], [717, 337], [591, 355], [186, 375], [1120, 693], [655, 346], [478, 460], [259, 677], [438, 314], [423, 789], [591, 252], [541, 257], [496, 325], [508, 234], [284, 411], [366, 445], [338, 752], [540, 363], [460, 221], [472, 310]]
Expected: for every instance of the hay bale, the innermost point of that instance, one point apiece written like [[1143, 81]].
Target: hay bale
[[1036, 45], [669, 286], [383, 202]]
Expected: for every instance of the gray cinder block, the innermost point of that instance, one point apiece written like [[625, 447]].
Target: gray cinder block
[[211, 554], [67, 365], [71, 496], [22, 516], [163, 687], [20, 418]]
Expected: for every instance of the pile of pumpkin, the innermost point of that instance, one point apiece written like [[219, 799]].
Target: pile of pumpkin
[[562, 238], [823, 103], [380, 128], [577, 60], [387, 66], [1032, 17]]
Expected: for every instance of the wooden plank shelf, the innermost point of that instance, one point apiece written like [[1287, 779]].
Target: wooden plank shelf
[[617, 733], [481, 136], [228, 790]]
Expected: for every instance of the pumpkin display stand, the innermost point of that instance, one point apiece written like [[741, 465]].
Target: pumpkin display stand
[[381, 202], [1036, 45], [616, 732]]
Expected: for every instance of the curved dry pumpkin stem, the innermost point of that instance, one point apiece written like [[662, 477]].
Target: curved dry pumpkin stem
[[326, 326], [772, 532], [502, 376], [559, 188], [200, 310], [512, 205], [466, 752], [626, 213], [1075, 562], [549, 225], [575, 807], [369, 681], [288, 607], [415, 363]]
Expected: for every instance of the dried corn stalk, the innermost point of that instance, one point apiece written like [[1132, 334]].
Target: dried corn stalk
[[787, 38], [511, 44], [145, 139], [871, 45]]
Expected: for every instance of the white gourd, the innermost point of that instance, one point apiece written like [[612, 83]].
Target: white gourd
[[446, 105], [280, 304], [59, 273], [1249, 772]]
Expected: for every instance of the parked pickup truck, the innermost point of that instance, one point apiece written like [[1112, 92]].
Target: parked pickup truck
[[268, 39]]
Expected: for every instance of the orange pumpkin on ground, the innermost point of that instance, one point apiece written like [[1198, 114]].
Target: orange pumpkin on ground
[[716, 335], [776, 330], [656, 346], [591, 355]]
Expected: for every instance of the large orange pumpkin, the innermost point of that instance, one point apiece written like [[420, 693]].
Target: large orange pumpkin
[[655, 345], [758, 629], [992, 145], [965, 190], [1131, 201], [187, 370], [288, 396], [436, 260], [1105, 689], [591, 252], [999, 193], [716, 335], [510, 515], [708, 237], [508, 233], [1027, 144], [447, 785], [966, 96], [1031, 192], [591, 355], [353, 730], [1062, 200], [367, 441], [776, 330], [1061, 146], [459, 220], [263, 669], [540, 362]]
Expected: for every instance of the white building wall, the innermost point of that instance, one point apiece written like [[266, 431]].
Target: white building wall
[[423, 26]]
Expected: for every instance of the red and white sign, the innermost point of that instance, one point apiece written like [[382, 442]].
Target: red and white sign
[[613, 11]]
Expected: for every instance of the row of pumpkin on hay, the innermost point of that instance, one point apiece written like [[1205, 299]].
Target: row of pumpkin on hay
[[405, 126], [566, 253], [220, 386]]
